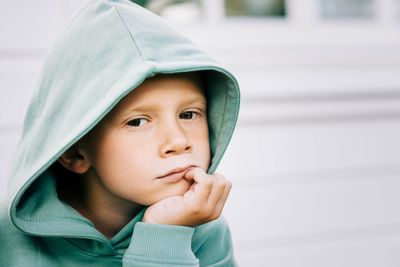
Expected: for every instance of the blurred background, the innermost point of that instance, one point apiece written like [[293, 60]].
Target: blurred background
[[315, 160]]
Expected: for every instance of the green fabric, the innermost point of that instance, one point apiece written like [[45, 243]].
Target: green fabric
[[109, 49]]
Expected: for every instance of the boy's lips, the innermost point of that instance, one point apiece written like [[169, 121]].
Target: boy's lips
[[175, 174]]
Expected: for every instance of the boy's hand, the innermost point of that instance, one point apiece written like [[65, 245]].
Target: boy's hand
[[202, 203]]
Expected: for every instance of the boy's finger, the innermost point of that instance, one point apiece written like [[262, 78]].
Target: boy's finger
[[202, 186], [194, 174], [217, 190], [221, 202]]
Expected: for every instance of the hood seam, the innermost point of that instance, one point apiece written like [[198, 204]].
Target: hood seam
[[129, 32], [83, 251], [220, 127], [61, 219]]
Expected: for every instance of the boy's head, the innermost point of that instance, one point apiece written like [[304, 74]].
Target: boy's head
[[142, 148], [82, 110]]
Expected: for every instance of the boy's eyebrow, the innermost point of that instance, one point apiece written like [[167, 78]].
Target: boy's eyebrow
[[149, 107]]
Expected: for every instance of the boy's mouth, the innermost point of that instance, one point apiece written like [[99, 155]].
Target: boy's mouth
[[175, 174]]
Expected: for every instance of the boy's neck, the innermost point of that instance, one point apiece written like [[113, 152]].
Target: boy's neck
[[109, 216], [106, 218]]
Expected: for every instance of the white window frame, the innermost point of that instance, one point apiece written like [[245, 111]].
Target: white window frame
[[301, 25]]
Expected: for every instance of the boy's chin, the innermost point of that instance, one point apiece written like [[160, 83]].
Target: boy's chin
[[177, 191]]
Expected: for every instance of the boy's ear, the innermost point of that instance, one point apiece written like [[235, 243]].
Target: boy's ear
[[74, 160]]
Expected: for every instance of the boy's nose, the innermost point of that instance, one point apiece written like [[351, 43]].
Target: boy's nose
[[175, 141]]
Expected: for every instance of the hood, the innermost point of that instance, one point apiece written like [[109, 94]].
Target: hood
[[109, 49]]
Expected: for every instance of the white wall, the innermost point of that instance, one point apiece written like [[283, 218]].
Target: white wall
[[315, 160]]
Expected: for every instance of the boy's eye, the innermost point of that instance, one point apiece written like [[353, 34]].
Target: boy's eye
[[137, 122], [188, 115]]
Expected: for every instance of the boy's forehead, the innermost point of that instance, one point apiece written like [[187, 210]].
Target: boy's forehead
[[190, 84]]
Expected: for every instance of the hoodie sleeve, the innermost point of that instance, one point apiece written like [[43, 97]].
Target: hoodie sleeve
[[212, 244], [160, 245], [170, 245]]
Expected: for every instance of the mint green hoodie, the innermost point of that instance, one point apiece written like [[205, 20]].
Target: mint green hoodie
[[109, 49]]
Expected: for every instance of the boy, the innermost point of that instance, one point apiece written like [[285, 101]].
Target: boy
[[115, 163]]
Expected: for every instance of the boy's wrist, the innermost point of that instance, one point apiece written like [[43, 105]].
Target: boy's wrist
[[169, 243]]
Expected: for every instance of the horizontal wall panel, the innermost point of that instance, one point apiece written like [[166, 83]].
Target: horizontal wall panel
[[18, 79], [341, 223], [248, 34], [28, 24], [281, 215], [320, 108], [322, 81], [286, 56], [294, 149], [373, 251]]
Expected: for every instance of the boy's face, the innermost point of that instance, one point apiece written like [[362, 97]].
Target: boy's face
[[160, 128]]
